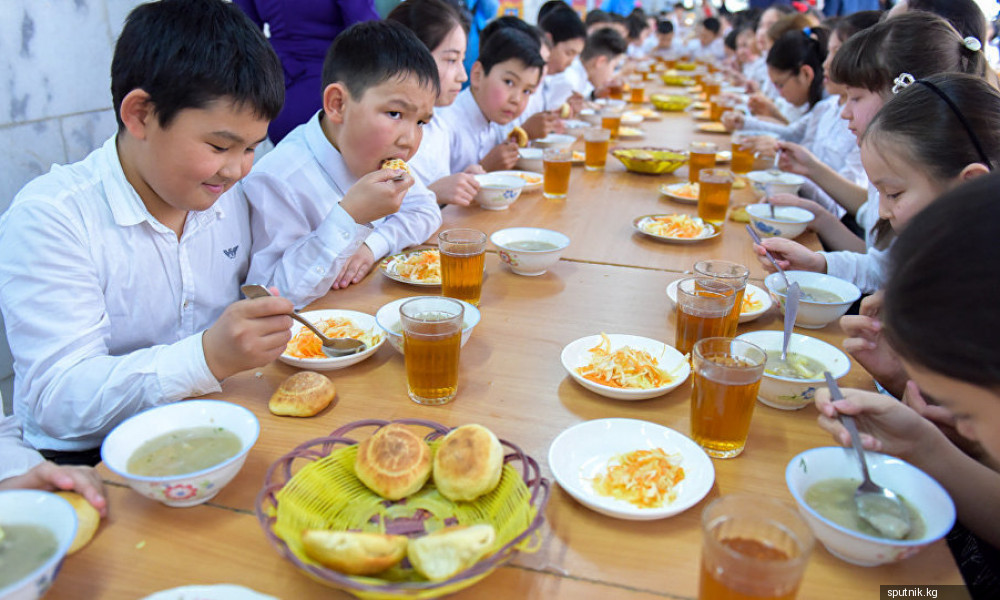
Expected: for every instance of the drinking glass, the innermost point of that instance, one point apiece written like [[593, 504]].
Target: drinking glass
[[611, 119], [713, 195], [432, 340], [703, 305], [702, 156], [463, 254], [637, 91], [596, 141], [743, 153], [557, 164], [735, 275]]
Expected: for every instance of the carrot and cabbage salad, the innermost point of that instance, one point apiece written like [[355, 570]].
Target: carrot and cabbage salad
[[750, 302], [305, 344], [686, 190], [645, 478], [626, 367], [675, 226], [423, 266]]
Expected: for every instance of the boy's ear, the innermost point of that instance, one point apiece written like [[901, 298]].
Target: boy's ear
[[335, 98], [136, 112], [477, 75], [972, 171]]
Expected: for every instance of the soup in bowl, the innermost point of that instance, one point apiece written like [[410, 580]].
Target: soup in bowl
[[39, 528], [792, 384], [824, 298], [529, 250]]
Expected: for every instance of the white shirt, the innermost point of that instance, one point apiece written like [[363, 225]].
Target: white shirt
[[576, 76], [104, 306], [18, 456], [301, 236], [867, 270], [433, 158], [471, 135], [556, 90]]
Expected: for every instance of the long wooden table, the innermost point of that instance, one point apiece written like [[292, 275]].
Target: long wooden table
[[512, 381]]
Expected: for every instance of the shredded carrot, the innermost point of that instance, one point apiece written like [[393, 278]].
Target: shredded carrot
[[675, 226], [422, 267], [686, 190], [750, 302], [305, 344], [529, 179], [645, 478], [626, 367]]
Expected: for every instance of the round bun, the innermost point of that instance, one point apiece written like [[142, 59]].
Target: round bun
[[87, 519], [302, 395], [468, 463], [394, 462], [565, 111], [519, 136], [447, 552], [396, 163], [354, 553]]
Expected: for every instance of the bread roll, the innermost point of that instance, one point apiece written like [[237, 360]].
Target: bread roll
[[354, 553], [519, 136], [396, 163], [565, 111], [445, 553], [87, 518], [393, 463], [468, 463], [302, 395]]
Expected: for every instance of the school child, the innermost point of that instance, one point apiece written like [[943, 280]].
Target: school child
[[120, 274], [768, 101], [665, 37], [708, 43], [568, 35], [638, 31], [596, 66], [933, 135], [322, 208]]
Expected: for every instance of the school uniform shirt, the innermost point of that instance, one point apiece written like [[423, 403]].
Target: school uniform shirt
[[867, 270], [756, 71], [18, 456], [578, 79], [470, 135], [556, 90], [433, 158], [302, 237], [105, 307]]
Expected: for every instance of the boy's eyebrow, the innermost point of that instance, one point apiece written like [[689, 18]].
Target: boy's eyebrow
[[405, 105], [513, 74], [229, 135]]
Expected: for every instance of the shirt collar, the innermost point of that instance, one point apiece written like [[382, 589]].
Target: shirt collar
[[466, 103], [330, 160]]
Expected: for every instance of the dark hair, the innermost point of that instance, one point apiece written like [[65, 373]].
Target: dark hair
[[938, 311], [430, 20], [369, 53], [664, 27], [848, 25], [797, 49], [563, 25], [511, 22], [635, 24], [964, 15], [916, 42], [792, 22], [712, 24], [746, 18], [597, 16], [189, 53], [730, 39], [508, 43], [604, 42], [552, 6]]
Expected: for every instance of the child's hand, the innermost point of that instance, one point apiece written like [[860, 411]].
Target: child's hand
[[886, 425], [376, 195], [869, 347], [474, 169], [796, 158], [732, 120], [765, 146], [821, 214], [541, 124], [248, 334], [575, 102], [761, 106], [356, 268], [502, 157], [52, 477], [789, 255], [458, 189]]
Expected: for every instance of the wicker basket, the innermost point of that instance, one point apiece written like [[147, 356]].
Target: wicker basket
[[314, 486], [651, 161]]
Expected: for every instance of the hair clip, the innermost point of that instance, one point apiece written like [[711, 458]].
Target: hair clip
[[902, 82], [808, 31], [972, 44]]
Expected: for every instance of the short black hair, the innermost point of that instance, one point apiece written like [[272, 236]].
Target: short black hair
[[508, 43], [430, 20], [664, 27], [509, 21], [604, 42], [369, 53], [730, 39], [563, 24], [551, 6], [190, 53], [635, 23], [597, 16], [712, 24]]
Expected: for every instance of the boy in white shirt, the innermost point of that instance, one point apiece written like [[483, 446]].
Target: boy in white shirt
[[322, 208], [120, 274], [594, 70], [568, 35]]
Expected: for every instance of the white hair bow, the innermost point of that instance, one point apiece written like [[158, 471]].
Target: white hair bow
[[901, 82]]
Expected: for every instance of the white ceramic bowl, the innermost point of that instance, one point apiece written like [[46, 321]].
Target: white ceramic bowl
[[788, 221], [387, 318], [498, 192], [788, 393], [577, 354], [919, 489], [591, 116], [362, 320], [782, 183], [530, 159], [814, 315], [191, 488], [40, 509], [529, 262], [554, 140]]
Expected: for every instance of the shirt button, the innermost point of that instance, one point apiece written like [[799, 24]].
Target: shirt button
[[344, 235], [186, 304], [319, 270]]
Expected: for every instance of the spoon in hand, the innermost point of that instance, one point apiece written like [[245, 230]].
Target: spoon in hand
[[332, 347], [757, 240], [879, 507]]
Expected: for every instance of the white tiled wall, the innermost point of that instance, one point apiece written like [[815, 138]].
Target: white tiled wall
[[55, 99]]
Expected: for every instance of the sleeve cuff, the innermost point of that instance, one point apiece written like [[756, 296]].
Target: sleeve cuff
[[183, 372]]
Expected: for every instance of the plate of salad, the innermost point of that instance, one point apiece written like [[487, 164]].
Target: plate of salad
[[625, 367]]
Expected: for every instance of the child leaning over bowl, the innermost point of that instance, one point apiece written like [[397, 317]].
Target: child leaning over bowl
[[120, 274], [933, 135], [322, 210], [938, 317]]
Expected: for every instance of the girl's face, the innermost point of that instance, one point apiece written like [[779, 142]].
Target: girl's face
[[832, 47], [770, 17], [860, 108], [793, 87], [449, 56], [904, 188]]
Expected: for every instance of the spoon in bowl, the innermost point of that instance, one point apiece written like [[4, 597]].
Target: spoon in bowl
[[791, 311], [332, 347], [879, 507]]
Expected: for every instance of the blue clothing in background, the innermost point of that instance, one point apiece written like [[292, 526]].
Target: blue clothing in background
[[621, 7], [839, 8], [483, 12]]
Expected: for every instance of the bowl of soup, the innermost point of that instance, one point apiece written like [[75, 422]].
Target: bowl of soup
[[778, 183], [823, 481], [387, 318], [788, 221], [530, 159], [529, 250], [791, 384], [184, 453], [824, 298], [554, 140], [38, 529], [498, 192]]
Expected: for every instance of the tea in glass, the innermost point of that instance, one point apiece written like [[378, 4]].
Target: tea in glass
[[596, 141], [432, 340], [463, 255], [702, 156], [616, 90], [611, 119], [727, 374], [743, 153], [713, 195], [703, 304], [557, 164], [735, 275]]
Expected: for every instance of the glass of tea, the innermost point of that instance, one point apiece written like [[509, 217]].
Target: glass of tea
[[753, 547], [703, 306], [596, 141], [637, 91], [714, 188], [463, 255], [432, 339], [727, 374], [557, 164], [743, 152], [735, 275], [702, 156], [616, 89], [611, 119]]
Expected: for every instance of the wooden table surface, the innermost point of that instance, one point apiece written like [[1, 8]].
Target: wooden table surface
[[511, 380]]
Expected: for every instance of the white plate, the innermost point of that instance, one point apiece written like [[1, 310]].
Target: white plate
[[532, 180], [670, 190], [582, 451], [631, 118], [753, 291], [711, 231], [362, 320], [712, 127], [724, 156], [209, 592], [630, 133], [387, 266], [577, 354]]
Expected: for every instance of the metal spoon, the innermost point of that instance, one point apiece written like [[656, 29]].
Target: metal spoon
[[775, 169], [791, 310], [756, 239], [880, 507], [332, 347]]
